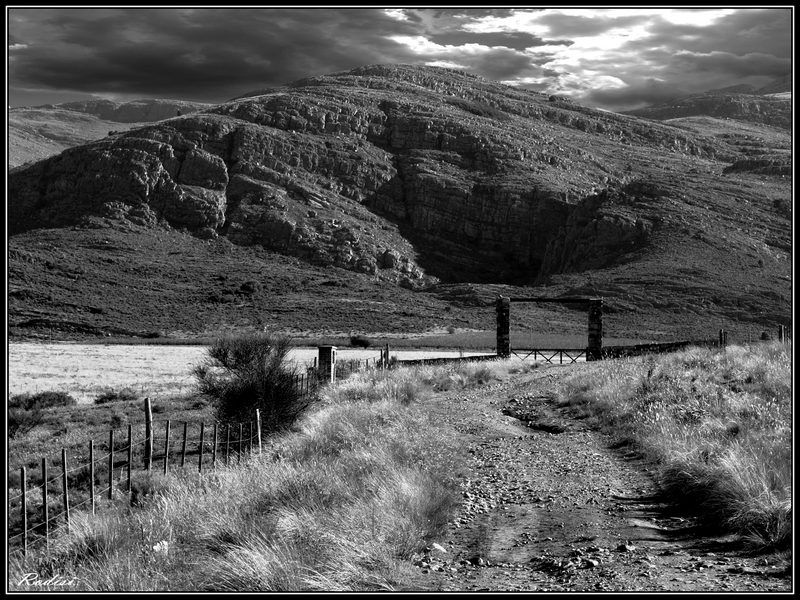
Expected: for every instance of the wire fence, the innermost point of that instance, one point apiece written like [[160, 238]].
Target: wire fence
[[48, 505]]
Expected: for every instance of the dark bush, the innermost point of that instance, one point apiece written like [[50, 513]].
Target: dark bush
[[360, 341], [41, 400], [122, 395], [242, 373]]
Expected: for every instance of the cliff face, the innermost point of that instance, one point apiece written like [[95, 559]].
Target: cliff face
[[406, 173]]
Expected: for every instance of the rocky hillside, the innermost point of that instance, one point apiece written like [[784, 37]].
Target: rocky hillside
[[751, 107], [38, 132], [413, 175]]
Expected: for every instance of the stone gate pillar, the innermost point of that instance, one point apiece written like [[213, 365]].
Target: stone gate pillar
[[327, 364], [503, 326], [594, 350]]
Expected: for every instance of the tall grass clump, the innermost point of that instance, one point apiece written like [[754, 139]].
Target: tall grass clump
[[341, 502], [717, 423], [245, 372]]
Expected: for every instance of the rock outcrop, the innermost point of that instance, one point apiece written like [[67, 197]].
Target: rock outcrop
[[405, 173]]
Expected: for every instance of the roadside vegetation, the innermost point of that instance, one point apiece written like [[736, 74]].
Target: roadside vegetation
[[718, 425], [248, 372], [340, 501]]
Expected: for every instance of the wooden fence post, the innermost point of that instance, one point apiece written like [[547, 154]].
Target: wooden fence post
[[250, 437], [327, 363], [166, 450], [503, 317], [45, 510], [228, 445], [258, 430], [130, 453], [65, 486], [148, 434], [23, 482], [183, 449], [214, 448], [594, 346], [239, 457], [202, 434], [91, 473], [111, 465]]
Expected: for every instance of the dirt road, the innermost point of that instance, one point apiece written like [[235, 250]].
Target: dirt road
[[551, 505]]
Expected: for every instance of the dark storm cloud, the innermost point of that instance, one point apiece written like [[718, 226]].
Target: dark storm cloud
[[471, 13], [747, 31], [199, 54], [739, 66], [517, 40]]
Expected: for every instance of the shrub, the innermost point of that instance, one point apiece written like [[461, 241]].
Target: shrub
[[21, 421], [360, 341], [41, 400], [246, 372], [26, 411], [122, 395]]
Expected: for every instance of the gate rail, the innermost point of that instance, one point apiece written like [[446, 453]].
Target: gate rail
[[572, 354]]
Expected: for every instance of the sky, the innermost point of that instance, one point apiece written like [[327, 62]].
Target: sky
[[611, 58]]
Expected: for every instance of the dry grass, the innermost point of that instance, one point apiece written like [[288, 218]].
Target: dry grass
[[718, 424], [341, 503]]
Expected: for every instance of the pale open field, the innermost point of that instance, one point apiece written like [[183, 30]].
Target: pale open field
[[86, 370]]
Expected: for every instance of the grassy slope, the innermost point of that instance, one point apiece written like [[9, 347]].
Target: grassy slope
[[340, 504], [717, 424], [149, 281], [344, 501]]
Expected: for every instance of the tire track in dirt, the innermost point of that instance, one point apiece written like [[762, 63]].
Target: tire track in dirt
[[550, 505]]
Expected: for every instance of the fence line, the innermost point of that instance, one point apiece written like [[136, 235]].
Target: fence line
[[304, 384]]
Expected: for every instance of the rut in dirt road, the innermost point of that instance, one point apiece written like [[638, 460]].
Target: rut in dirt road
[[550, 504]]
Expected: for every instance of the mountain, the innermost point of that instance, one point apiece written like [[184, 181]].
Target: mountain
[[409, 196], [38, 132], [753, 108], [768, 105], [781, 85]]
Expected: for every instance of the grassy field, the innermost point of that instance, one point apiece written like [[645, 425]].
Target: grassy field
[[717, 423], [343, 500], [341, 503]]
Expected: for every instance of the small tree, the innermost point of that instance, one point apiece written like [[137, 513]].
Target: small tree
[[360, 341], [242, 373]]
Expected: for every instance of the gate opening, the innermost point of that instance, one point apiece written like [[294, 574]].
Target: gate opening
[[594, 347]]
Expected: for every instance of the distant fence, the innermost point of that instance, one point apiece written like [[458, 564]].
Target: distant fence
[[46, 503]]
